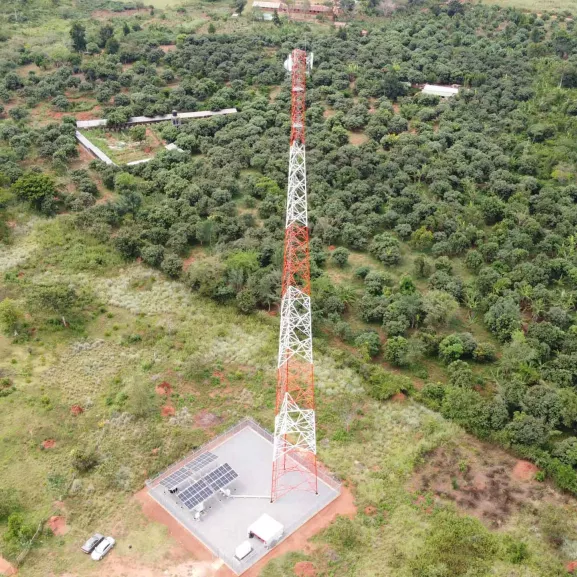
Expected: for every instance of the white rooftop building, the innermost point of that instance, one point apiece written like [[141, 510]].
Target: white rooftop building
[[443, 91]]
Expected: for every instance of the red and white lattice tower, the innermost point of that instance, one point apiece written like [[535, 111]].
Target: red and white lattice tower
[[294, 453]]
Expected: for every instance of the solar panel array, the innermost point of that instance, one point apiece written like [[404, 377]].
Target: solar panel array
[[183, 473], [175, 478], [195, 494], [221, 477], [207, 486], [201, 462]]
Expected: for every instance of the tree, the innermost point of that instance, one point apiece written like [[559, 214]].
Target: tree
[[544, 403], [461, 375], [11, 317], [105, 33], [246, 301], [211, 28], [239, 6], [35, 189], [396, 351], [440, 307], [386, 248], [340, 256], [112, 46], [125, 28], [503, 318], [369, 343], [455, 7], [525, 429], [138, 133], [172, 265], [451, 348], [275, 18], [78, 35]]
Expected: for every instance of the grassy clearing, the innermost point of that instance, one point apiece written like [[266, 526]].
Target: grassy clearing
[[148, 330], [536, 5], [121, 148]]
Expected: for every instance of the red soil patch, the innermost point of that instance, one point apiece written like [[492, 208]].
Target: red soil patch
[[524, 471], [163, 389], [305, 569], [7, 569], [58, 525], [168, 47], [48, 444], [205, 420], [187, 262], [167, 411], [399, 398], [76, 410], [571, 566], [370, 510], [11, 224]]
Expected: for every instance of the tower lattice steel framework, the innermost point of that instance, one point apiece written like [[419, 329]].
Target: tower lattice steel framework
[[294, 453]]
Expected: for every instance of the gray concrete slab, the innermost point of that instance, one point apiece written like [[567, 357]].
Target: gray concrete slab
[[224, 526]]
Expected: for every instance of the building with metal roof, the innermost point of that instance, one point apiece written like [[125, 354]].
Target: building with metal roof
[[443, 91]]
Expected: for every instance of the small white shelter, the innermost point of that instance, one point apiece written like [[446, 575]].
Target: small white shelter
[[267, 530], [443, 91], [243, 550]]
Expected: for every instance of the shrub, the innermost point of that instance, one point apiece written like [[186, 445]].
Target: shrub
[[461, 375], [525, 429], [382, 384], [455, 546], [451, 348], [246, 301], [396, 351], [83, 460], [340, 256], [485, 353], [503, 318], [9, 503], [11, 317], [369, 343], [566, 451], [171, 265], [433, 392], [467, 408], [386, 248], [35, 189]]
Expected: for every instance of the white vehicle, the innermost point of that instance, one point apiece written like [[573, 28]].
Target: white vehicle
[[103, 548]]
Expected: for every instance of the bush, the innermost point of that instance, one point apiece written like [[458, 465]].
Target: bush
[[382, 385], [83, 460]]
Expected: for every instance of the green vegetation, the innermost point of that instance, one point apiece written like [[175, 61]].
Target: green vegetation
[[444, 268]]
